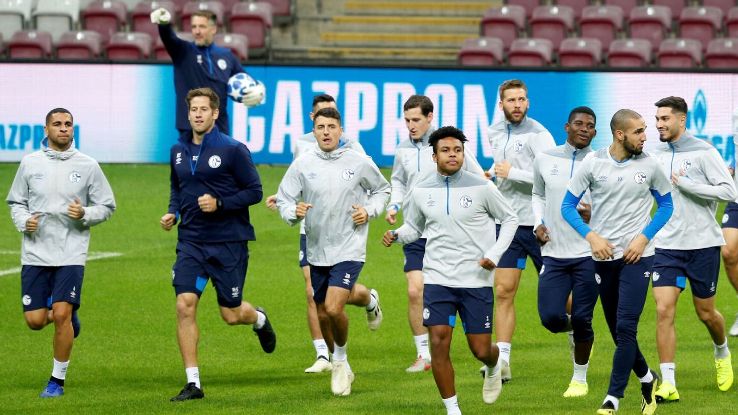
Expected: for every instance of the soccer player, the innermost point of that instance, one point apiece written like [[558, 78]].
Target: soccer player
[[200, 64], [516, 142], [335, 191], [414, 162], [58, 193], [621, 179], [305, 144], [729, 251], [213, 183], [455, 210], [688, 246], [567, 260]]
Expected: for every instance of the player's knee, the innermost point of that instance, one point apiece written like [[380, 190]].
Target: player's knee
[[415, 294], [481, 352], [230, 318], [707, 314], [626, 331], [665, 312], [729, 254], [185, 309], [582, 329], [333, 310], [35, 323], [553, 322]]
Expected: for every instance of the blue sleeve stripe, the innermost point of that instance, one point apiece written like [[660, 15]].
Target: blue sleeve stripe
[[570, 214], [663, 213]]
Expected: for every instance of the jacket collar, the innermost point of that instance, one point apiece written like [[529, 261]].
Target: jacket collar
[[57, 155]]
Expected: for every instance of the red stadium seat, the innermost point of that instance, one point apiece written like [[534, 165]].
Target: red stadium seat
[[483, 51], [675, 6], [651, 23], [194, 6], [255, 21], [629, 53], [140, 20], [15, 15], [553, 23], [722, 53], [731, 23], [283, 11], [30, 44], [680, 53], [129, 46], [530, 52], [700, 23], [56, 16], [580, 53], [105, 17], [81, 45], [160, 52], [505, 23], [723, 5], [626, 5], [237, 43], [601, 22], [528, 5], [576, 5]]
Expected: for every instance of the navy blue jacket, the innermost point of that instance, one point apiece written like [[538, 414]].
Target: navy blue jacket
[[198, 67], [224, 170]]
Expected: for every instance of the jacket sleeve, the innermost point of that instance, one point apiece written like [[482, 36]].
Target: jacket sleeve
[[539, 194], [247, 178], [413, 223], [720, 186], [175, 46], [289, 193], [100, 199], [378, 187], [541, 142], [18, 198], [399, 183], [174, 201], [499, 208]]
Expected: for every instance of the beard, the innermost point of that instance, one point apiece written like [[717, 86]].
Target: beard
[[631, 149], [509, 116]]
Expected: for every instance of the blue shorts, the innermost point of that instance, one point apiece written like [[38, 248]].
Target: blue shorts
[[43, 286], [524, 244], [730, 216], [303, 251], [414, 253], [224, 262], [673, 267], [474, 305], [344, 275]]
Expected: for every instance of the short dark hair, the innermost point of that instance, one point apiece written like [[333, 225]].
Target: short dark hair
[[322, 98], [446, 132], [206, 14], [677, 104], [204, 92], [620, 117], [419, 101], [57, 111], [328, 113], [512, 84], [582, 110]]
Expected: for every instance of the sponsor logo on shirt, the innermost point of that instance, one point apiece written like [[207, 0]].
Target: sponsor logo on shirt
[[518, 146], [312, 175], [347, 175], [601, 178], [430, 202], [214, 161], [555, 170], [178, 158], [465, 201], [75, 177], [685, 165], [640, 177]]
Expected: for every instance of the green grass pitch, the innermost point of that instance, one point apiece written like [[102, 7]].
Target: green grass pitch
[[127, 361]]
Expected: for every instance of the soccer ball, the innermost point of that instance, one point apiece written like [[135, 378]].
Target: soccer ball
[[238, 84]]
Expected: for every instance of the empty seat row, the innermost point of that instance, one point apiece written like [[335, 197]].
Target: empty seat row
[[676, 6]]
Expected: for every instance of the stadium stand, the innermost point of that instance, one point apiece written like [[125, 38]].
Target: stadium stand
[[576, 5], [527, 5], [626, 5], [79, 45], [14, 15], [679, 53], [554, 23], [651, 23], [700, 23], [723, 5], [129, 46], [237, 43], [601, 22], [722, 53], [506, 23], [483, 51], [253, 20], [731, 23], [531, 52], [30, 44], [56, 16], [105, 17], [160, 52], [580, 53], [283, 11], [193, 6], [675, 6], [629, 53]]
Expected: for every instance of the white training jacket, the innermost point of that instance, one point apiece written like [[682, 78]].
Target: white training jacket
[[46, 183], [457, 215], [332, 182], [519, 144], [551, 173], [705, 182]]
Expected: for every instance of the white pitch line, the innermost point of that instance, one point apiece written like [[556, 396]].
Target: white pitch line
[[90, 257]]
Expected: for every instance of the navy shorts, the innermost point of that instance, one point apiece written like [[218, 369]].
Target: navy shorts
[[524, 244], [674, 267], [474, 305], [43, 286], [730, 216], [224, 262], [414, 253], [303, 251], [344, 275]]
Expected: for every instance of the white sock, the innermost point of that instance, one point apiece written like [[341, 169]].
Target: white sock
[[668, 373], [339, 353], [721, 351], [615, 401], [494, 369], [452, 406], [505, 351], [193, 375], [260, 320], [321, 348], [372, 303], [580, 373], [647, 378], [421, 345], [60, 369]]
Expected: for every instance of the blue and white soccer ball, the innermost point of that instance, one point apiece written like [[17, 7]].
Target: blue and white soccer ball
[[238, 84]]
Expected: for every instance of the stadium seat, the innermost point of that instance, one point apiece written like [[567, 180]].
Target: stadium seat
[[160, 52], [483, 51], [722, 53], [700, 23], [129, 46], [140, 20], [105, 17], [30, 44], [626, 5], [14, 16], [530, 52], [601, 22], [193, 6], [651, 23], [723, 5], [237, 43], [731, 23], [56, 16], [576, 5], [528, 5], [283, 11], [552, 22], [680, 53], [629, 53], [255, 21], [505, 23], [80, 45], [580, 53], [675, 6]]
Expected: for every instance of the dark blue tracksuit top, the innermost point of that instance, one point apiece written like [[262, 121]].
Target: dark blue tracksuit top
[[224, 170], [199, 67]]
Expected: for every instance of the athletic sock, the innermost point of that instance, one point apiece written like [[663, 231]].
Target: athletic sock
[[339, 353], [648, 378], [668, 372], [505, 349], [260, 320], [321, 348], [59, 372], [721, 351], [421, 345], [372, 303], [615, 401], [452, 406], [580, 373], [193, 375]]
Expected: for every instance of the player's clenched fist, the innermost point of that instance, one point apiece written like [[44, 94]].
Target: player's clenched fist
[[167, 221], [161, 16], [302, 209]]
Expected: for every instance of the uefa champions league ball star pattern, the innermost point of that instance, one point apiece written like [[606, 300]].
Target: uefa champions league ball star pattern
[[238, 84]]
